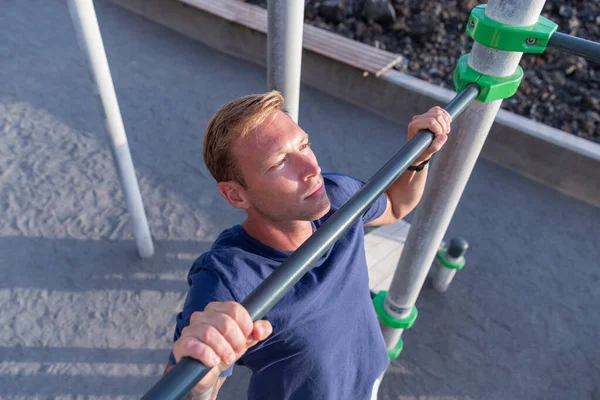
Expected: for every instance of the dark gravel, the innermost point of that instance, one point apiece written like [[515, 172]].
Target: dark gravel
[[559, 90]]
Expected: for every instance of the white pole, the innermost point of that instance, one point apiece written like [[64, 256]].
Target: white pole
[[452, 168], [284, 50], [90, 41]]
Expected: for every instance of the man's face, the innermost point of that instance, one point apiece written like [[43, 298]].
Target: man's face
[[283, 178]]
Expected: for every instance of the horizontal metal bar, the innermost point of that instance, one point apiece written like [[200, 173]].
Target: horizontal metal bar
[[576, 46]]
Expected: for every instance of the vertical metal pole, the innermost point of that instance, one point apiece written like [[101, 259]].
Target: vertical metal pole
[[452, 169], [284, 50], [90, 41]]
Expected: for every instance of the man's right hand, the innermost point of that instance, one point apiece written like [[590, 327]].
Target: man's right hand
[[219, 336]]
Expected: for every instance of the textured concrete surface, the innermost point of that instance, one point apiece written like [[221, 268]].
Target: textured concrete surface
[[82, 317]]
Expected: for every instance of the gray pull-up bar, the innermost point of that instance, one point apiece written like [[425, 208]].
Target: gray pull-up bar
[[188, 372], [90, 41], [576, 46]]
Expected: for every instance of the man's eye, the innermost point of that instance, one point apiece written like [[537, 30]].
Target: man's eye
[[305, 146], [280, 163]]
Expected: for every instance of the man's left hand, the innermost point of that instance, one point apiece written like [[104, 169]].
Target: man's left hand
[[437, 120]]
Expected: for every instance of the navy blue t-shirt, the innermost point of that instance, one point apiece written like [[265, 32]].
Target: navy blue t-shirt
[[326, 341]]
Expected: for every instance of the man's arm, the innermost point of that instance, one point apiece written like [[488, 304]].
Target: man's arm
[[402, 197], [406, 192], [210, 394]]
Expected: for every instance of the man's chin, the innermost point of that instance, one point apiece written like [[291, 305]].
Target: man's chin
[[323, 211]]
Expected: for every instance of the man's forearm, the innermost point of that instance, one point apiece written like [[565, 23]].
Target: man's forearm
[[208, 394], [406, 192]]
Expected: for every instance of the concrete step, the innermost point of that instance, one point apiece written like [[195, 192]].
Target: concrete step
[[383, 247]]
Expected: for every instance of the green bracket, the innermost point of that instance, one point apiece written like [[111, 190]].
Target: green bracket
[[395, 352], [491, 87], [441, 257], [388, 320], [396, 323], [526, 39]]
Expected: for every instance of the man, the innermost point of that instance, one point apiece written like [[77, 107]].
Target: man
[[322, 340]]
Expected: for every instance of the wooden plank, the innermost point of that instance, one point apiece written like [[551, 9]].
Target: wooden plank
[[349, 51], [330, 41], [318, 40], [328, 44]]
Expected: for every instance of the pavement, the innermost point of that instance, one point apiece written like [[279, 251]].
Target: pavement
[[81, 316]]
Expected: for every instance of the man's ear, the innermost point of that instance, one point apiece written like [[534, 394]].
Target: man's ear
[[234, 193]]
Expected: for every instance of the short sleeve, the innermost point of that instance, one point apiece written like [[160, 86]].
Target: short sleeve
[[205, 287], [340, 188]]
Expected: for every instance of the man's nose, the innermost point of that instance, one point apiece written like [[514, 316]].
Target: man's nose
[[309, 167]]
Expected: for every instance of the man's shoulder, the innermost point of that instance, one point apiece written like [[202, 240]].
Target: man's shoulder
[[340, 180], [227, 243], [340, 187], [232, 262], [221, 262]]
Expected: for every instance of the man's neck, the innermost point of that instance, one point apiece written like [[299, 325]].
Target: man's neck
[[286, 236]]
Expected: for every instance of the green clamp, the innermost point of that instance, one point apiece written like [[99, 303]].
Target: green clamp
[[441, 257], [491, 87], [526, 39], [388, 320], [395, 352]]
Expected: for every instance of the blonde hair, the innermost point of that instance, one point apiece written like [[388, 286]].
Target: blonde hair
[[233, 121]]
